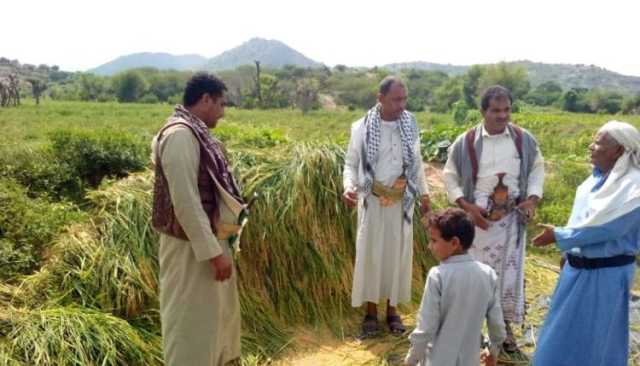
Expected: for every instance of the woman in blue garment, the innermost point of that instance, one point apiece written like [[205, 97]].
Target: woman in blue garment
[[588, 321]]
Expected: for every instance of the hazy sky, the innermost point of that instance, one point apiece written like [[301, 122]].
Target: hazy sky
[[78, 35]]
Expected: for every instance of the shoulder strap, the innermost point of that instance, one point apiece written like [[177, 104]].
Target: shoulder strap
[[470, 138], [518, 140]]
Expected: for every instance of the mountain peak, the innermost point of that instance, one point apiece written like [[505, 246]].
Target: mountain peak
[[270, 53], [159, 60]]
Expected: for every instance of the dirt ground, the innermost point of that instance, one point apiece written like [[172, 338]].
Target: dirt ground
[[314, 347]]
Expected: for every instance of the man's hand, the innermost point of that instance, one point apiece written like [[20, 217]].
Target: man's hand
[[221, 266], [528, 206], [477, 213], [546, 237], [350, 198], [425, 205], [487, 358], [408, 361]]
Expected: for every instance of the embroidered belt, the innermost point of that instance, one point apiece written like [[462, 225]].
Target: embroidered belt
[[392, 194]]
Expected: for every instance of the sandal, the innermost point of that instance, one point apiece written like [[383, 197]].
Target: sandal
[[510, 346], [395, 325], [370, 326]]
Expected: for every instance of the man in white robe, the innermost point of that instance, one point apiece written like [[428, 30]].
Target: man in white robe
[[477, 158], [384, 176], [199, 303]]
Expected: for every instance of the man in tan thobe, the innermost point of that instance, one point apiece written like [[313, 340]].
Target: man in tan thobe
[[199, 306]]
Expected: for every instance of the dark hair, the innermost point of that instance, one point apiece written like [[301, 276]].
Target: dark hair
[[454, 222], [388, 82], [494, 92], [202, 83]]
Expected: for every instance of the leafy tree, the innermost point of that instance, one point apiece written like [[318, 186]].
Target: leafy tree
[[545, 94], [631, 104], [38, 86], [575, 100], [353, 88], [240, 84], [460, 111], [273, 96], [447, 94], [165, 84], [512, 77], [420, 85], [92, 87], [470, 85], [307, 95], [129, 86]]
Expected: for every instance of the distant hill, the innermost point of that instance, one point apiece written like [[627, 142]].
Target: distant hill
[[567, 75], [275, 54], [580, 76], [270, 53], [163, 61]]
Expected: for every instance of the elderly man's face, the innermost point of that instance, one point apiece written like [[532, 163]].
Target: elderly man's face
[[394, 102], [605, 151]]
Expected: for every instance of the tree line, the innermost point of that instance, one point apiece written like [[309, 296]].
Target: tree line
[[253, 86]]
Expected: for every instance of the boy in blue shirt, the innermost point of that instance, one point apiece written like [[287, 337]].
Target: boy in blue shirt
[[459, 295]]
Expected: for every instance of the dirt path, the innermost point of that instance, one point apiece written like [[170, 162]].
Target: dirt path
[[433, 172], [315, 347], [319, 347]]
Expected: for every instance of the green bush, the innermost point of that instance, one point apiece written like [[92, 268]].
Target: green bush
[[460, 111], [473, 117], [250, 137], [561, 180], [175, 99], [27, 226], [149, 99], [95, 154], [41, 172], [435, 141]]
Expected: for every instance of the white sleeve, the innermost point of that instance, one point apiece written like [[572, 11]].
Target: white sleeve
[[352, 160], [536, 177], [451, 178], [423, 187]]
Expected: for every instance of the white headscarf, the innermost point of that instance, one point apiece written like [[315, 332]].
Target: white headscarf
[[627, 136], [620, 194]]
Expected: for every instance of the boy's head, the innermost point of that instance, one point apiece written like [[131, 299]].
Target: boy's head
[[451, 232]]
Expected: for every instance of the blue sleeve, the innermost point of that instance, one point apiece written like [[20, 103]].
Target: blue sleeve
[[567, 238]]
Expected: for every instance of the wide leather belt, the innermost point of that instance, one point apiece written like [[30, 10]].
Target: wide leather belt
[[595, 263]]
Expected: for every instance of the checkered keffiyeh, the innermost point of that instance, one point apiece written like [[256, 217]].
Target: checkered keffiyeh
[[369, 154]]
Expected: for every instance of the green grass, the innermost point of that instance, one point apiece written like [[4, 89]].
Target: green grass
[[97, 283]]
